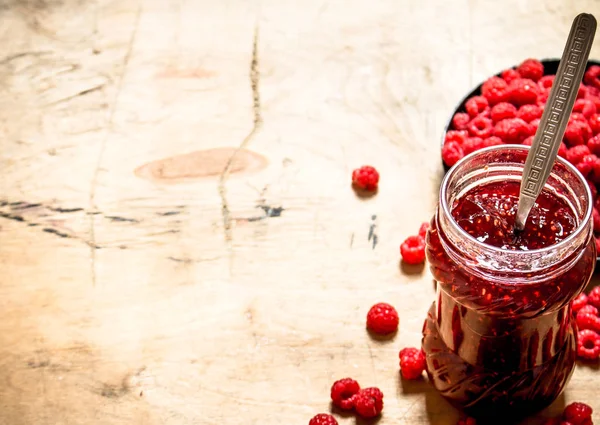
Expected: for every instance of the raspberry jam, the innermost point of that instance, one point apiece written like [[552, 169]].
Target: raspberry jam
[[500, 339]]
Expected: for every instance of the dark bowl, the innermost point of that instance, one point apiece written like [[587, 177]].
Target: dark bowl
[[550, 68]]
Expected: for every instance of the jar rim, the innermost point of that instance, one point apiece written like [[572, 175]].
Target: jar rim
[[565, 242]]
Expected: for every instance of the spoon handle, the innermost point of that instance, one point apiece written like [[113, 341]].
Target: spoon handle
[[553, 123]]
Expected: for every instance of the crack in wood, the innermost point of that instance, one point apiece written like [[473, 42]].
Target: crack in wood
[[257, 123]]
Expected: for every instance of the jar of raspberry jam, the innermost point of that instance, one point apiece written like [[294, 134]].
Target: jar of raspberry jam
[[500, 337]]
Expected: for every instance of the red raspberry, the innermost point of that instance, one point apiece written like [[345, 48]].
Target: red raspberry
[[582, 92], [532, 69], [413, 250], [578, 116], [412, 363], [458, 136], [534, 125], [452, 153], [588, 320], [460, 121], [502, 111], [596, 219], [382, 319], [594, 297], [546, 82], [592, 186], [588, 309], [513, 130], [495, 90], [587, 164], [492, 141], [529, 113], [523, 91], [562, 150], [543, 98], [594, 122], [579, 302], [593, 144], [577, 133], [588, 344], [481, 127], [476, 105], [585, 107], [343, 392], [592, 76], [423, 229], [529, 141], [576, 154], [368, 403], [466, 421], [365, 177], [323, 419], [472, 144], [592, 92], [510, 74], [597, 244], [595, 100], [577, 413]]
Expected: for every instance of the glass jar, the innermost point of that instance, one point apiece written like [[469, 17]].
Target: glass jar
[[500, 337]]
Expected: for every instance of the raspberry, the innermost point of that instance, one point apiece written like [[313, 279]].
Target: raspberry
[[365, 177], [368, 403], [546, 82], [579, 302], [495, 90], [472, 144], [502, 111], [382, 319], [596, 219], [592, 76], [423, 229], [476, 105], [594, 297], [562, 150], [593, 144], [587, 164], [529, 113], [413, 250], [585, 107], [343, 392], [577, 116], [532, 69], [592, 92], [594, 122], [528, 141], [510, 74], [582, 92], [588, 344], [523, 91], [534, 125], [577, 133], [492, 141], [597, 244], [588, 309], [595, 100], [466, 421], [458, 136], [460, 121], [577, 413], [588, 320], [323, 419], [513, 130], [481, 127], [592, 186], [576, 154], [412, 363], [543, 98]]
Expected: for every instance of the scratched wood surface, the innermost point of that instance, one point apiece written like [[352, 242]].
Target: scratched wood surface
[[179, 243]]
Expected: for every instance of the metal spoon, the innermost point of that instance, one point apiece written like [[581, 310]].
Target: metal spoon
[[553, 123]]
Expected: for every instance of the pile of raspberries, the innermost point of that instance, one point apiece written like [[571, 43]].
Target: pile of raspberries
[[508, 111]]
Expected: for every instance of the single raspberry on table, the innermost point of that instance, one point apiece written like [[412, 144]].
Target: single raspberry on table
[[323, 419], [382, 319], [481, 127], [502, 111], [577, 413], [588, 344], [458, 136], [576, 154], [476, 105], [412, 363], [594, 297], [368, 403], [513, 130], [343, 392], [492, 141], [413, 250], [546, 82], [472, 144], [510, 74], [579, 302], [577, 133], [594, 122], [532, 69], [423, 229], [523, 91], [529, 113], [592, 76], [460, 121], [495, 90], [585, 107], [365, 177], [452, 153]]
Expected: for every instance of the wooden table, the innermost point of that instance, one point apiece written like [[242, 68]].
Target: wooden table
[[179, 240]]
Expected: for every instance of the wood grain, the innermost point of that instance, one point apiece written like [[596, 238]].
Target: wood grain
[[179, 240]]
